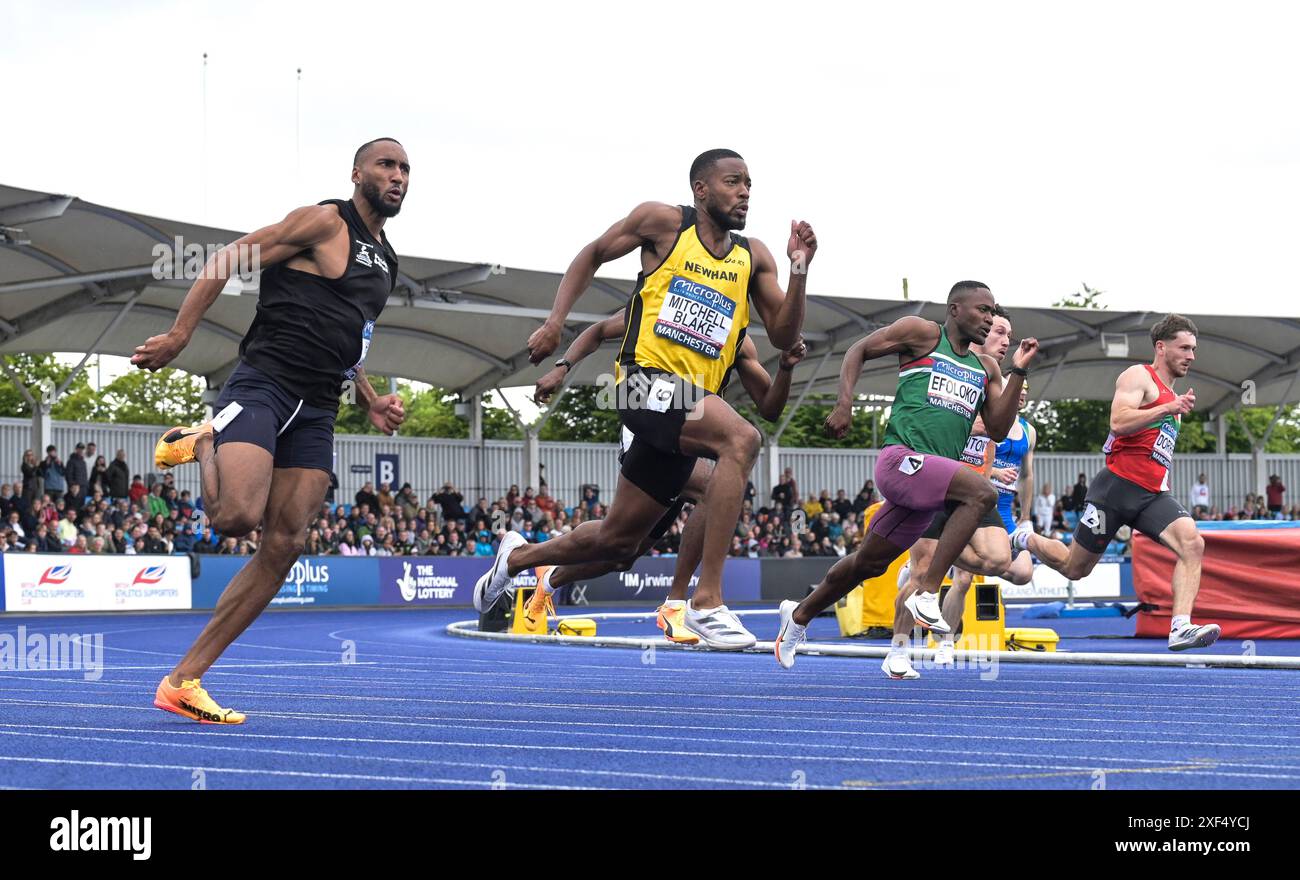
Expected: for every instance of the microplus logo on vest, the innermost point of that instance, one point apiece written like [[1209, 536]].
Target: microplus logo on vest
[[77, 833]]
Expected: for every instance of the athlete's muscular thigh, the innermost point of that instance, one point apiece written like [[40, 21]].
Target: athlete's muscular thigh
[[990, 543], [243, 478], [921, 553], [296, 496], [713, 426]]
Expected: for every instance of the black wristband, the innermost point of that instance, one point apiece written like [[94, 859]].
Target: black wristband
[[1019, 371], [782, 366]]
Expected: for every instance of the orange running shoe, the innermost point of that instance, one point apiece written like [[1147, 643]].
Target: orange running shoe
[[177, 445], [540, 604], [672, 620], [193, 702]]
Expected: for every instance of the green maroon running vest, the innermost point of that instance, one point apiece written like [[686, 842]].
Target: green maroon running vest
[[938, 397]]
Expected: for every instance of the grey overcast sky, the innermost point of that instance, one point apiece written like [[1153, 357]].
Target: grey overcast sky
[[1150, 149]]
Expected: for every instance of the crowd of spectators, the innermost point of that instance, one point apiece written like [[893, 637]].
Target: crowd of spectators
[[90, 505]]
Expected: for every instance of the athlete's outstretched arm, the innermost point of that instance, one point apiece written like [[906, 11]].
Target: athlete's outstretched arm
[[1002, 402], [587, 342], [768, 394], [1126, 414], [301, 230], [782, 313], [647, 222], [386, 411], [910, 336]]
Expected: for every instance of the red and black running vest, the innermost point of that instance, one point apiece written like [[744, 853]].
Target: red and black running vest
[[1145, 457]]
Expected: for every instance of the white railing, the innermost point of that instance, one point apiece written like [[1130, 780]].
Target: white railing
[[489, 468]]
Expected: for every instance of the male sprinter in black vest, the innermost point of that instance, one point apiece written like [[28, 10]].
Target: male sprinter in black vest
[[265, 456]]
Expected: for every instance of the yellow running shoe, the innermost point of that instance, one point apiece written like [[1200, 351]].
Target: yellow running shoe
[[177, 445], [672, 620], [193, 702], [540, 604]]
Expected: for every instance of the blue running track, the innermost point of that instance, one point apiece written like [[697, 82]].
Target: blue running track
[[419, 708]]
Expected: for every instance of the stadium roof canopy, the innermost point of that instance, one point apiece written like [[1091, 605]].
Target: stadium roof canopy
[[77, 276]]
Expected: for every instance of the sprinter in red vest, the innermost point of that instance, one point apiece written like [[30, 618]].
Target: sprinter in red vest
[[1133, 488]]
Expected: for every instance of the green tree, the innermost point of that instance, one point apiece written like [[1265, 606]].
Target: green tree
[[582, 417], [1085, 298], [806, 428], [430, 412], [167, 397], [79, 403], [1197, 435], [1074, 425]]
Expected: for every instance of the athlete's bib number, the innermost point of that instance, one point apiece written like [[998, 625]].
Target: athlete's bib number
[[660, 397], [696, 316], [1093, 519], [1163, 449]]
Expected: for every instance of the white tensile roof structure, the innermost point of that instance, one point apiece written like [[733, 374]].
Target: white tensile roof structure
[[78, 276]]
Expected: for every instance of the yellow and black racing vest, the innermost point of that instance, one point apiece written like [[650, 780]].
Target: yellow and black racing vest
[[688, 316]]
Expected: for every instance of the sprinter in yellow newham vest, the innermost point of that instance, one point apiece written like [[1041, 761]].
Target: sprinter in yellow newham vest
[[685, 321]]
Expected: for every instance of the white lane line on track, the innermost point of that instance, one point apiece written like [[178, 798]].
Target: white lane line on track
[[707, 712], [1282, 716], [921, 700], [911, 761], [31, 730], [189, 768], [1016, 728], [254, 751], [558, 683], [170, 666]]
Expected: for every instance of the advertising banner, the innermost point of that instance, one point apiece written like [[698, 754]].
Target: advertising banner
[[58, 582], [313, 581], [649, 579], [436, 580]]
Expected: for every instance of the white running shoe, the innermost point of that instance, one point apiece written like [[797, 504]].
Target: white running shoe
[[789, 635], [943, 655], [925, 608], [1020, 537], [904, 575], [497, 578], [718, 628], [1193, 636], [898, 667]]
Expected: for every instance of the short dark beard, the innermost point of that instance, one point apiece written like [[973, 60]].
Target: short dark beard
[[725, 221], [375, 198]]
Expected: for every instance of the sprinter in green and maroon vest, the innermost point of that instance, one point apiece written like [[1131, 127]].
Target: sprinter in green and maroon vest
[[942, 387]]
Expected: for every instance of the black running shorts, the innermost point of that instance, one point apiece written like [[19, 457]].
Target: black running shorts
[[1113, 501], [296, 435]]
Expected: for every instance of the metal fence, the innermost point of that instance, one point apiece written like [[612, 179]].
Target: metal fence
[[489, 468]]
